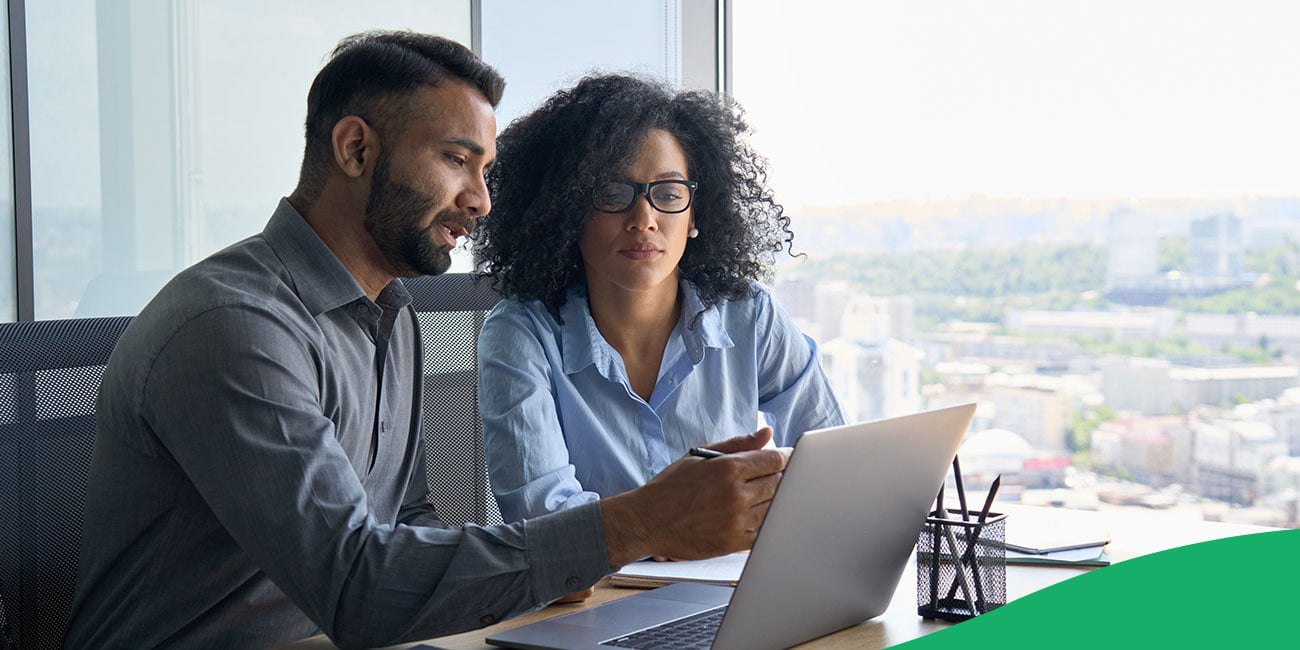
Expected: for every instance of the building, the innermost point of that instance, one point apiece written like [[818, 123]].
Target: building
[[1227, 386], [1143, 325], [1244, 329], [873, 378], [1231, 458], [878, 317], [1281, 475], [1136, 384], [1037, 407], [1158, 387], [1283, 414], [1215, 260], [1132, 250], [990, 452], [1215, 249], [1145, 448], [830, 300], [967, 375], [817, 307], [826, 310]]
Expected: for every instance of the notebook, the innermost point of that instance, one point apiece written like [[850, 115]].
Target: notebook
[[1092, 556], [723, 570], [829, 555], [1043, 530]]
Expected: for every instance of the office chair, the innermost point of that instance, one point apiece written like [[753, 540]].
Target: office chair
[[49, 379], [450, 309]]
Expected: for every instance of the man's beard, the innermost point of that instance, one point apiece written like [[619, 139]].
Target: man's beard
[[393, 212]]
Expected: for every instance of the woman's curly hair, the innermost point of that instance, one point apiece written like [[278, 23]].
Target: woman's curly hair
[[550, 161]]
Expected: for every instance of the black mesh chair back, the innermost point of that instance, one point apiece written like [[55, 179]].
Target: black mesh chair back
[[450, 309], [49, 379]]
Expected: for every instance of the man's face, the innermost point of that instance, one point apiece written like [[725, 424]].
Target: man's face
[[427, 188]]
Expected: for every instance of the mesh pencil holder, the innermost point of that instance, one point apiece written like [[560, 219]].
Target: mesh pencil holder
[[961, 566]]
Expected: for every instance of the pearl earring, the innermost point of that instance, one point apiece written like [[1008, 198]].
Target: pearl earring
[[695, 232]]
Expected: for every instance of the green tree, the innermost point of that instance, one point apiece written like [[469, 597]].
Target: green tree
[[1084, 423], [1173, 253]]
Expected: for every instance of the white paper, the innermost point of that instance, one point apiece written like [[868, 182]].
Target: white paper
[[719, 570]]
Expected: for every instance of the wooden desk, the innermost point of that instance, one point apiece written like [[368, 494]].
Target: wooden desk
[[1133, 533]]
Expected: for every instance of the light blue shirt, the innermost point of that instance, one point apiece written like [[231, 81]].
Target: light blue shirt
[[564, 427]]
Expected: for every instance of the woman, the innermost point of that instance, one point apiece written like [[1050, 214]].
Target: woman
[[629, 228]]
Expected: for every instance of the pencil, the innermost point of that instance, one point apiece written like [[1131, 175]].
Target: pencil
[[961, 489]]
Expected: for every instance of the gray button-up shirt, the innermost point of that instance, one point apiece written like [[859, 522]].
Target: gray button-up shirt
[[254, 482]]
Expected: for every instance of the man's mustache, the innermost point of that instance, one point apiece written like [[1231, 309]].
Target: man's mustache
[[464, 221]]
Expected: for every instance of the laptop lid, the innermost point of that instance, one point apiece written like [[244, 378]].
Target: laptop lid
[[829, 555], [841, 528]]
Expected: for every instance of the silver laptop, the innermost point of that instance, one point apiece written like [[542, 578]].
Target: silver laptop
[[829, 554]]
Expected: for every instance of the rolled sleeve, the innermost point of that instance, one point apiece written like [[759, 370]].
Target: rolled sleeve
[[527, 456], [794, 392]]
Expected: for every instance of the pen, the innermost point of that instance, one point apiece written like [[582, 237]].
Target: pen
[[970, 548], [957, 555], [937, 550], [968, 555], [988, 501], [704, 452], [961, 489], [961, 574], [979, 528]]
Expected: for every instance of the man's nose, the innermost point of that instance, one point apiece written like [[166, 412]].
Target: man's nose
[[475, 201]]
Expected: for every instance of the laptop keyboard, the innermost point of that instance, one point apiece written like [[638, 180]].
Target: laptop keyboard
[[695, 631]]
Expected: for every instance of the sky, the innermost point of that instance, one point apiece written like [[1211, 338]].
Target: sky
[[857, 102]]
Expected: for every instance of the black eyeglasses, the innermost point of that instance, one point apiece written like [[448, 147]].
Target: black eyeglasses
[[669, 197]]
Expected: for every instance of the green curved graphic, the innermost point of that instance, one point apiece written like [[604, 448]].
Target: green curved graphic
[[1237, 592]]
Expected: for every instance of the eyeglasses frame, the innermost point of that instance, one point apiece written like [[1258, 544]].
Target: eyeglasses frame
[[644, 188]]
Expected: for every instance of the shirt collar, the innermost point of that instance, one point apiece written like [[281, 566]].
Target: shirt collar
[[584, 346], [319, 278], [703, 326]]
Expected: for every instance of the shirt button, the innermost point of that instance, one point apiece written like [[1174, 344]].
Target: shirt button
[[488, 619], [361, 309], [573, 583]]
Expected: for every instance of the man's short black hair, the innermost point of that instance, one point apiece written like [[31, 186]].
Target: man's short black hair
[[368, 75]]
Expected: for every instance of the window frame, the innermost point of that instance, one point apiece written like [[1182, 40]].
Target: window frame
[[705, 55]]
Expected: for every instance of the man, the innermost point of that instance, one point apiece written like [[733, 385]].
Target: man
[[258, 472]]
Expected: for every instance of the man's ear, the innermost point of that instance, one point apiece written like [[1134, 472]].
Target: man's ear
[[355, 145]]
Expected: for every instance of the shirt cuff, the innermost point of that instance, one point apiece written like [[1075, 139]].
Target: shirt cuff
[[566, 551]]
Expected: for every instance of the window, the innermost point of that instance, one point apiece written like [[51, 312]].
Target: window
[[541, 47], [8, 251], [1081, 215], [163, 131]]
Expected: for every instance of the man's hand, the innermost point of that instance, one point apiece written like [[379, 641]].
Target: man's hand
[[697, 508], [575, 597]]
